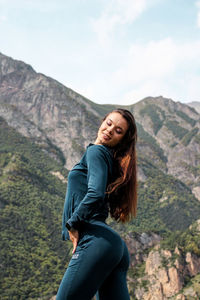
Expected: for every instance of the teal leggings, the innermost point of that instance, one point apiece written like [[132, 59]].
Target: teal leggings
[[99, 266]]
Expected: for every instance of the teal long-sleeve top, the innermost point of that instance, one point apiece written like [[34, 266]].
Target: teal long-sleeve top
[[86, 190]]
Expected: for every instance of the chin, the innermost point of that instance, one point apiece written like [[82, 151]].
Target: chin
[[108, 143]]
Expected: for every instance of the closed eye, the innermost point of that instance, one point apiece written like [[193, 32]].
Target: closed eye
[[118, 131]]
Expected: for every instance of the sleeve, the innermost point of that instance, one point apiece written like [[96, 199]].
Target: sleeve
[[97, 178]]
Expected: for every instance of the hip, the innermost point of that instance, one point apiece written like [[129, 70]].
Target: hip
[[101, 234]]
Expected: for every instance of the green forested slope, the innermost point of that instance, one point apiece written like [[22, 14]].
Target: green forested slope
[[165, 205], [31, 200], [165, 200]]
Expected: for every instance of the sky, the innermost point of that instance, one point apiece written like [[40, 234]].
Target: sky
[[109, 51]]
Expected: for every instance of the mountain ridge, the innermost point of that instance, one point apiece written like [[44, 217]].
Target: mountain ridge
[[50, 110]]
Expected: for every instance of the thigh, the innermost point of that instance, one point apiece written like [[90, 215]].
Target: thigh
[[115, 285], [74, 279], [98, 252]]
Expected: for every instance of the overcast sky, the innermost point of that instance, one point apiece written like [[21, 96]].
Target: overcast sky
[[110, 51]]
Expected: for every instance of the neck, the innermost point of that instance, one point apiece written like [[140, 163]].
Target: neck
[[97, 142]]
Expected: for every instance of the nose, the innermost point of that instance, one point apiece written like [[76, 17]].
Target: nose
[[110, 129]]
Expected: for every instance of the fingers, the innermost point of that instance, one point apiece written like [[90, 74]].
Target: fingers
[[75, 242], [74, 237]]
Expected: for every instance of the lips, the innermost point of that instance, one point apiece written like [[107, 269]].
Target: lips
[[106, 137]]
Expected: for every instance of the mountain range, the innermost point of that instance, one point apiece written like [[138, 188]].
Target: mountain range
[[44, 129]]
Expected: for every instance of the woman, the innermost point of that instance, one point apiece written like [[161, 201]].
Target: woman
[[103, 181]]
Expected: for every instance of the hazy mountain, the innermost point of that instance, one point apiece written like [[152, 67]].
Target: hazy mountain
[[44, 128], [195, 105]]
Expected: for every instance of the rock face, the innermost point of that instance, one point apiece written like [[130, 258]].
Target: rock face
[[161, 273], [175, 128], [193, 264], [196, 192], [137, 245], [165, 272], [169, 277], [43, 109]]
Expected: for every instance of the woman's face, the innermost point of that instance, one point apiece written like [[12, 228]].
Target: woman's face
[[112, 130]]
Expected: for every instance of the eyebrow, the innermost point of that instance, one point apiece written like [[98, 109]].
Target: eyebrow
[[117, 126]]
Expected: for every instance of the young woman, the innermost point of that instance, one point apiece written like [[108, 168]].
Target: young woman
[[103, 181]]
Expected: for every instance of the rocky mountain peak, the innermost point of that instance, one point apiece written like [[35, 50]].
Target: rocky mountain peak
[[9, 66]]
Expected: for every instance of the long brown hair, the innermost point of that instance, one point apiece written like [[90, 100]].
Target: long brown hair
[[122, 191]]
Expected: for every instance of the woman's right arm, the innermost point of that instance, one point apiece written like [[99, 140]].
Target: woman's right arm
[[98, 161]]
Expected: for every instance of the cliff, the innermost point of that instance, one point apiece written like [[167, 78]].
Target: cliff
[[165, 269]]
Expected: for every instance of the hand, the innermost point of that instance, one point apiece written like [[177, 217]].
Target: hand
[[74, 237]]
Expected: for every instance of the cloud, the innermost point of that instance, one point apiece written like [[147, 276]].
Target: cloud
[[164, 67], [31, 5], [193, 88], [3, 18], [144, 61], [161, 67], [115, 13], [198, 13]]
